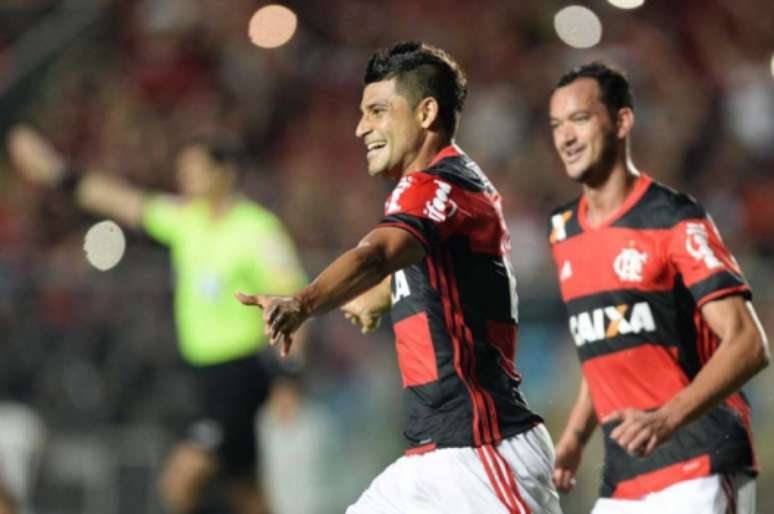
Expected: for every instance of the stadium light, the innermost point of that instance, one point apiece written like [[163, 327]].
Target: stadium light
[[626, 4], [578, 26], [272, 26]]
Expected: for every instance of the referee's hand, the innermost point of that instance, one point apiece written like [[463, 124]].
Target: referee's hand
[[282, 316], [34, 157]]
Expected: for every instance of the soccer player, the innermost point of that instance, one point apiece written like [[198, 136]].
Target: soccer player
[[660, 314], [220, 242], [474, 445]]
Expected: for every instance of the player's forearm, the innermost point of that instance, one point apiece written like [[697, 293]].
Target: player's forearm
[[737, 359], [353, 273], [109, 196], [583, 419]]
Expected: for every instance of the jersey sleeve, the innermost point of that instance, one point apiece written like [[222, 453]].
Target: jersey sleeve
[[425, 206], [161, 217], [708, 268]]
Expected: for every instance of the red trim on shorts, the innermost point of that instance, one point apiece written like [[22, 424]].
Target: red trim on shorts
[[727, 482], [513, 489], [419, 450], [655, 481], [495, 484]]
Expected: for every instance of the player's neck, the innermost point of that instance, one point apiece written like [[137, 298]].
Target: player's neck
[[433, 143], [604, 198]]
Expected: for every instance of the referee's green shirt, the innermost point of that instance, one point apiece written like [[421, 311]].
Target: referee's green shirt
[[247, 250]]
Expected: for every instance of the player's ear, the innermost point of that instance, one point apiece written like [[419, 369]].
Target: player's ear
[[624, 122], [427, 112]]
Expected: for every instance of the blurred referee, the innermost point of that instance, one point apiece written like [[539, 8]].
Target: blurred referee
[[220, 243]]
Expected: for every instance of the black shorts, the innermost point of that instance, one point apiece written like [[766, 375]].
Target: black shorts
[[229, 394]]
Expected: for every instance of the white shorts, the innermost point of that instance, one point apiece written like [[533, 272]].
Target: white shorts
[[715, 494], [514, 477]]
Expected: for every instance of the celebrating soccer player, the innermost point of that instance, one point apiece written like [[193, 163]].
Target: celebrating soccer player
[[661, 316], [474, 445]]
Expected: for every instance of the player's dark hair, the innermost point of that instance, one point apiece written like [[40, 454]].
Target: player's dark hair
[[422, 71], [614, 89]]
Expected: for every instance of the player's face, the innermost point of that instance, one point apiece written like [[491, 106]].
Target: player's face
[[197, 174], [584, 134], [389, 128]]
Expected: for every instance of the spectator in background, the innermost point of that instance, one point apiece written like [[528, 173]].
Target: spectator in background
[[661, 316], [220, 243]]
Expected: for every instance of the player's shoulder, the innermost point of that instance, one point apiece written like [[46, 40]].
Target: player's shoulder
[[662, 207], [459, 170]]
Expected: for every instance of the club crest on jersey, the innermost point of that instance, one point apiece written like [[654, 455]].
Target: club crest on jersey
[[628, 265], [558, 228], [441, 206], [611, 321], [392, 204], [697, 245]]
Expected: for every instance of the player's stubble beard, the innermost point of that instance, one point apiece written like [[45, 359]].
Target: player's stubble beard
[[599, 171]]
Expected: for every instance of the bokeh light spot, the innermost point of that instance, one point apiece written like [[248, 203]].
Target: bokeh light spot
[[272, 26], [104, 245], [578, 26], [626, 4]]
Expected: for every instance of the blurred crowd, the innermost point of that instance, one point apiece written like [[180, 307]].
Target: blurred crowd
[[90, 350]]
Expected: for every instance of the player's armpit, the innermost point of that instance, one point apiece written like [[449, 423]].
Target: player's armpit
[[399, 247]]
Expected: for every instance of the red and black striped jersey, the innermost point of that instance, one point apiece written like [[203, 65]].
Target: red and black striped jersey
[[633, 288], [454, 314]]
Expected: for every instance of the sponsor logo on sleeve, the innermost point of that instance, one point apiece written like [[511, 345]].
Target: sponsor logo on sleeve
[[697, 245], [441, 206], [392, 204]]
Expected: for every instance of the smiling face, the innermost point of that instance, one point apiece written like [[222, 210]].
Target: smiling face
[[390, 128], [585, 137]]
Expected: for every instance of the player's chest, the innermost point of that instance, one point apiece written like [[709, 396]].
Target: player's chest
[[613, 259]]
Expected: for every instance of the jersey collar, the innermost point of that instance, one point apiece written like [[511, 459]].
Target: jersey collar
[[642, 184]]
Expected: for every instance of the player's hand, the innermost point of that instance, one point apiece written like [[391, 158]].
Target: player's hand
[[359, 312], [282, 316], [639, 432], [568, 458], [34, 157]]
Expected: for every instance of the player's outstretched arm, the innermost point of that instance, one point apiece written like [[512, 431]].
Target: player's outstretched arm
[[367, 309], [382, 251], [743, 352], [580, 426], [35, 158]]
